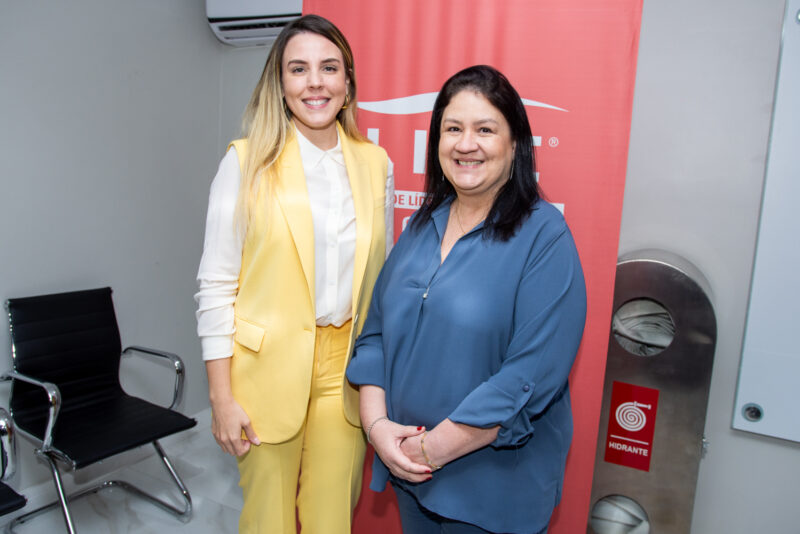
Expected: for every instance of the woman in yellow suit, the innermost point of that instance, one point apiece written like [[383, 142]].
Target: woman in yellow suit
[[298, 226]]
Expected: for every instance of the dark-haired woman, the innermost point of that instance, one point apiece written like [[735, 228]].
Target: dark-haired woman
[[295, 237], [473, 328]]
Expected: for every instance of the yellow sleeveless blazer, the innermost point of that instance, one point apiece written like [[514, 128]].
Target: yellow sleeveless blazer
[[274, 310]]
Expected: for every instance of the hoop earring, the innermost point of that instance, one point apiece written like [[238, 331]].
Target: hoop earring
[[286, 109], [346, 100], [511, 172]]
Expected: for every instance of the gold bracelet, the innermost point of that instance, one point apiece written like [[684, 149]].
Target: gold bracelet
[[432, 465], [369, 428]]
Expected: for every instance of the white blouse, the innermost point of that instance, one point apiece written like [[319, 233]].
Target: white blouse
[[334, 222]]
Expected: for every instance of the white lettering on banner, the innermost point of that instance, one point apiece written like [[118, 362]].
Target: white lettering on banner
[[420, 139], [641, 451], [421, 142], [374, 135], [421, 147], [410, 200], [422, 103]]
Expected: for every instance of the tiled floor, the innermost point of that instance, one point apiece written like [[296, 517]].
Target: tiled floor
[[210, 476]]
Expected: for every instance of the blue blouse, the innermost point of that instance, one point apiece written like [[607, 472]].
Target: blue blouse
[[485, 338]]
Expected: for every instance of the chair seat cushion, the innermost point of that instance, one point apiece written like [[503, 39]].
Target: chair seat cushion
[[10, 500], [89, 433]]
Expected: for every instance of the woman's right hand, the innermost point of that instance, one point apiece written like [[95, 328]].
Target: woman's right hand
[[386, 437], [228, 420]]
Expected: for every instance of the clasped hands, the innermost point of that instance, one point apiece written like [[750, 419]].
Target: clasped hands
[[400, 449]]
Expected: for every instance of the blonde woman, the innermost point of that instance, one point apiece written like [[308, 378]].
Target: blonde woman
[[299, 223]]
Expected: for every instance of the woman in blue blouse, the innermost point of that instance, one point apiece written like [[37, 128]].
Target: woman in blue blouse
[[473, 328]]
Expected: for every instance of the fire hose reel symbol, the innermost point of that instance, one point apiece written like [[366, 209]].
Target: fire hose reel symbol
[[630, 416]]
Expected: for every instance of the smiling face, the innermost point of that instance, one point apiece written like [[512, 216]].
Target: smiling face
[[314, 79], [475, 148]]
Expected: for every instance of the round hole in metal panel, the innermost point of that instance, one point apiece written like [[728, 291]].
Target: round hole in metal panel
[[752, 412], [617, 514], [643, 327]]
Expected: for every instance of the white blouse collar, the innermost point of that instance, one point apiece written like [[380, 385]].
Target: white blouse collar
[[312, 155]]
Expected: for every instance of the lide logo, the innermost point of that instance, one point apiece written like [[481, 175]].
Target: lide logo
[[423, 103]]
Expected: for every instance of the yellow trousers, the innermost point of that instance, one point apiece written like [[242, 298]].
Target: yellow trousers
[[319, 470]]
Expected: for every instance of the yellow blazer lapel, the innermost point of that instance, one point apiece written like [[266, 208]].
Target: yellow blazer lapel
[[292, 195], [358, 174]]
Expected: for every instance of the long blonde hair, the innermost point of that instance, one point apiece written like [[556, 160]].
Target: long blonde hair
[[267, 121]]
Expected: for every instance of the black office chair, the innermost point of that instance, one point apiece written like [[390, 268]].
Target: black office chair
[[66, 395], [10, 500]]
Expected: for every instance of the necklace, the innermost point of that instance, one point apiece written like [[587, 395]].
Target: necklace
[[458, 217], [458, 220]]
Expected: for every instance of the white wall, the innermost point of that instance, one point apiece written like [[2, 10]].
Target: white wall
[[113, 117], [699, 138]]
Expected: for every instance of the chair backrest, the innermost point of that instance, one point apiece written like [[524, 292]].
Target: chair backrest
[[69, 339]]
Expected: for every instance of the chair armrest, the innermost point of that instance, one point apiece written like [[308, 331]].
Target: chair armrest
[[53, 400], [9, 445], [177, 364]]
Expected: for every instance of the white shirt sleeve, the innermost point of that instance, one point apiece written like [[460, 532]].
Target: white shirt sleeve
[[389, 208], [218, 275]]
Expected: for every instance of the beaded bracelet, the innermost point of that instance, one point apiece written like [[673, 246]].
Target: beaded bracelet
[[432, 465], [369, 428]]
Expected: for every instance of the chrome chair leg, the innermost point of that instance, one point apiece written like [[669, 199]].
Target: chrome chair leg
[[184, 514], [62, 499], [187, 499]]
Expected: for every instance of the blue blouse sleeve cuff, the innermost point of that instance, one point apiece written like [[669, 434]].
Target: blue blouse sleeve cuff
[[487, 405], [380, 475], [366, 367]]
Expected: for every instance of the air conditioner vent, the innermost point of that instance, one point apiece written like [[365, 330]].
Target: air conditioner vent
[[262, 25], [251, 31]]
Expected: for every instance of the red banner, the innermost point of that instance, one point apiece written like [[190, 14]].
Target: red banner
[[631, 425], [573, 63]]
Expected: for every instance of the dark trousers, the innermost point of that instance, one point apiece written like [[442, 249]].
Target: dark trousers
[[418, 520]]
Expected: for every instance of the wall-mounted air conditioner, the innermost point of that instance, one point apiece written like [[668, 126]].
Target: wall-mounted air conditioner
[[250, 22]]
